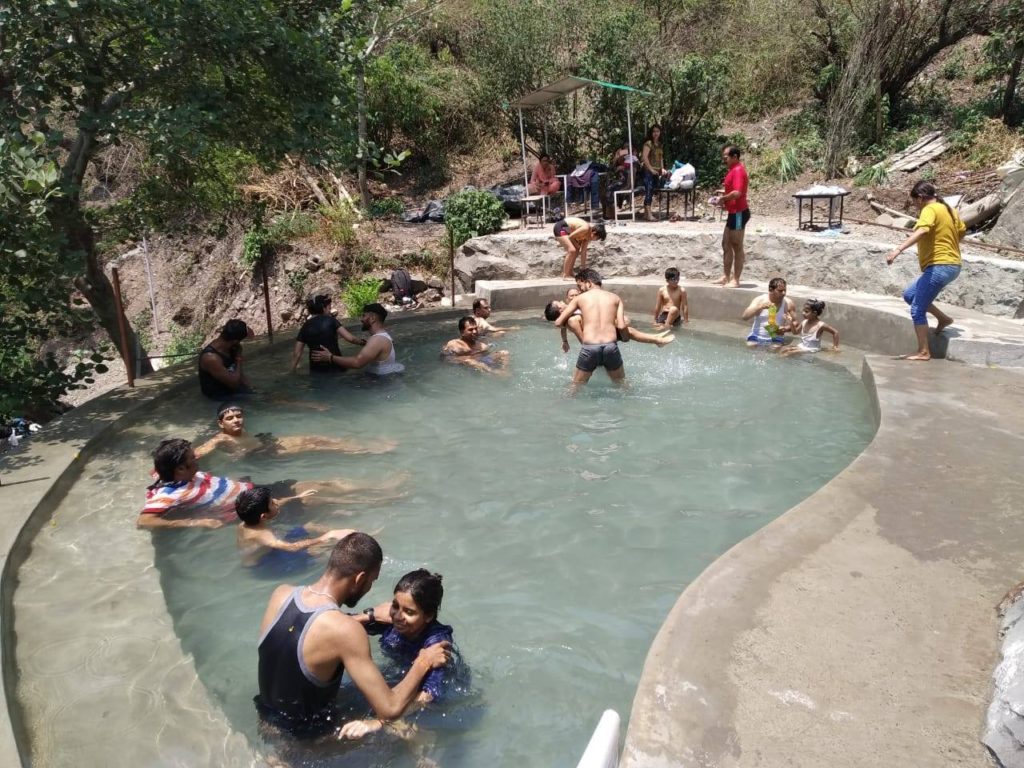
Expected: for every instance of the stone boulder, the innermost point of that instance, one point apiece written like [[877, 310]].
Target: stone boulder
[[1009, 228], [1004, 726]]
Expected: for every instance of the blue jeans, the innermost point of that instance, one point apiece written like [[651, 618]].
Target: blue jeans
[[923, 291], [652, 181]]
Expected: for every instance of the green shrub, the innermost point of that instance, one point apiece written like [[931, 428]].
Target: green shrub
[[359, 293], [339, 224], [471, 214], [297, 281], [873, 175], [386, 207], [252, 246], [290, 227], [183, 343]]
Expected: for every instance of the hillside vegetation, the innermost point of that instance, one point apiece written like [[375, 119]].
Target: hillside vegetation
[[283, 124]]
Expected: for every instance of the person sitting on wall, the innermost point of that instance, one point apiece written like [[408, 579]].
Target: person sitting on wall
[[377, 357], [220, 363]]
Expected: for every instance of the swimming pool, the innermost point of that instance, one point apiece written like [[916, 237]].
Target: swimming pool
[[565, 529]]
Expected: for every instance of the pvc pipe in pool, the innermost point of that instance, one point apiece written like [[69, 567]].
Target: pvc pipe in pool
[[603, 749]]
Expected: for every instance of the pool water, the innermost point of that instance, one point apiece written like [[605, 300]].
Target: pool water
[[565, 527]]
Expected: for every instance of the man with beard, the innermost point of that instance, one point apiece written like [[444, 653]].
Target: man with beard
[[306, 644], [377, 357]]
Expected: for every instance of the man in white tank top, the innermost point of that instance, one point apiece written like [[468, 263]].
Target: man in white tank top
[[774, 316], [378, 356]]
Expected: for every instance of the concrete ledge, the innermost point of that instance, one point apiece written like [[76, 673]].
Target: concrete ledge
[[879, 324], [858, 628]]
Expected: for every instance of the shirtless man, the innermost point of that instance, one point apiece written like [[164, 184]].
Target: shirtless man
[[773, 314], [469, 350], [575, 324], [234, 439], [603, 325], [377, 357], [220, 363], [307, 643], [482, 311]]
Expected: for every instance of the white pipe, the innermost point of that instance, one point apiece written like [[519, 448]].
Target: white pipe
[[632, 162], [603, 749], [149, 276], [522, 140]]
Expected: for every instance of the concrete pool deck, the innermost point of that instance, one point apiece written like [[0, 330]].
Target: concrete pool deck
[[856, 629]]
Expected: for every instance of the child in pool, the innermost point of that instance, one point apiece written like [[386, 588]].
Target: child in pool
[[233, 438], [811, 330], [256, 508], [409, 623]]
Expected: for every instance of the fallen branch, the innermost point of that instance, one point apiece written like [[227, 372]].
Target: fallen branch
[[978, 243]]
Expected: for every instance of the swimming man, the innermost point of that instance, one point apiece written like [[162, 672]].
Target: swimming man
[[469, 350]]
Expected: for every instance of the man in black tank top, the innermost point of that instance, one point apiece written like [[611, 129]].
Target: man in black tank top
[[307, 643], [220, 363]]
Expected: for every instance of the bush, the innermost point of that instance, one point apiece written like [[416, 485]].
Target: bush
[[386, 207], [339, 224], [184, 343], [285, 228], [873, 175], [360, 293], [471, 214], [252, 247]]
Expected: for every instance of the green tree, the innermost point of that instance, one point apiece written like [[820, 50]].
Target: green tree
[[1005, 50], [180, 76]]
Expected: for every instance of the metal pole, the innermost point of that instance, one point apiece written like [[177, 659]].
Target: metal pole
[[149, 277], [632, 162], [522, 140], [451, 256], [266, 300], [122, 326]]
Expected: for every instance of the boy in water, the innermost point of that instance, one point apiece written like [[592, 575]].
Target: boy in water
[[256, 508], [234, 439], [671, 307]]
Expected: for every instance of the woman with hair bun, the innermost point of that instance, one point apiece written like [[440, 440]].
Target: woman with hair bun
[[937, 235], [322, 329], [409, 624]]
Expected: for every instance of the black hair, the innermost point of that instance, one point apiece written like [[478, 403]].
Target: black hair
[[355, 553], [650, 131], [551, 312], [775, 282], [589, 276], [170, 455], [317, 304], [478, 303], [671, 273], [732, 150], [817, 306], [544, 156], [425, 589], [599, 230], [227, 408], [926, 190], [378, 310], [464, 321], [252, 503], [234, 330]]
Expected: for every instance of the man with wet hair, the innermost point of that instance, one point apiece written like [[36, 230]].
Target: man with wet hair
[[469, 350], [377, 357], [220, 363], [307, 643], [604, 325], [181, 490], [482, 311]]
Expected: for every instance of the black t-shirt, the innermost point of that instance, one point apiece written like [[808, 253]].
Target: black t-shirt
[[318, 331]]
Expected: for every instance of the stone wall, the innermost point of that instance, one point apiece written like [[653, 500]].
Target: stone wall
[[991, 285]]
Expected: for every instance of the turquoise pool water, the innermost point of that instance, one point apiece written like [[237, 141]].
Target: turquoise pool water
[[565, 527]]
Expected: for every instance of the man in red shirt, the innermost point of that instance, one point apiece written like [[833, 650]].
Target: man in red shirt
[[734, 199]]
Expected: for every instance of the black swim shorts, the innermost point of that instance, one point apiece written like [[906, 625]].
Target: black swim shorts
[[664, 316], [593, 355], [561, 228], [737, 220]]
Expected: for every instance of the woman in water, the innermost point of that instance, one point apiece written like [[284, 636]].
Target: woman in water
[[937, 235], [322, 329], [409, 623]]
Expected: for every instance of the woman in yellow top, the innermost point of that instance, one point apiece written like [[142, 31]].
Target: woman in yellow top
[[937, 235], [574, 235]]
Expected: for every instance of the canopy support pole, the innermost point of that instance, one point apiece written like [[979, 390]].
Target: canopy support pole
[[632, 163], [522, 140]]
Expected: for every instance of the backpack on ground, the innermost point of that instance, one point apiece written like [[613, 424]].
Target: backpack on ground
[[401, 287]]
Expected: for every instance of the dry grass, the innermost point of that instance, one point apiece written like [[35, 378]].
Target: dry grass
[[990, 147]]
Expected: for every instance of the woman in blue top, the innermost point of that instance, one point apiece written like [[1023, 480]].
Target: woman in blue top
[[408, 623]]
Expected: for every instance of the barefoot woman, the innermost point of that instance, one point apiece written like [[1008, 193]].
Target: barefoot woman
[[937, 235]]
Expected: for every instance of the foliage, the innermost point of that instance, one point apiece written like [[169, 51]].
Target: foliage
[[471, 214], [386, 208], [953, 68], [785, 165], [1004, 51], [339, 224], [184, 343], [290, 227], [872, 176], [35, 283], [359, 293], [297, 281], [253, 243]]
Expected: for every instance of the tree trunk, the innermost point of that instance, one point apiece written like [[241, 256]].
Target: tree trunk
[[94, 284], [361, 108], [1008, 113]]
